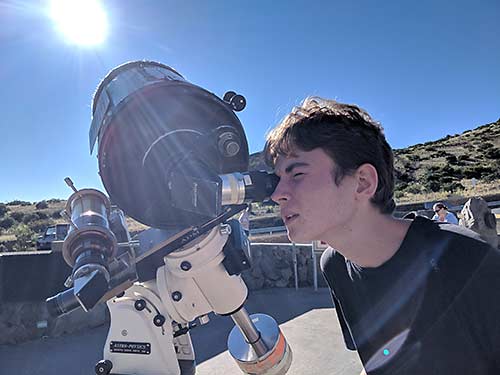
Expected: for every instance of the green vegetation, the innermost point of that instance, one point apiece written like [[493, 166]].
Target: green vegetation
[[41, 205], [3, 209], [6, 223], [19, 203], [23, 221], [447, 166], [25, 237]]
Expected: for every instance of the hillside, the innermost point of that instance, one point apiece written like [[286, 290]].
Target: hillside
[[449, 165], [438, 170]]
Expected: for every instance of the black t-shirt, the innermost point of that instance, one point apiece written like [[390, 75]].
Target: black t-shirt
[[433, 308]]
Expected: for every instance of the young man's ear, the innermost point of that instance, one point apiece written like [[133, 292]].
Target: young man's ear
[[367, 179]]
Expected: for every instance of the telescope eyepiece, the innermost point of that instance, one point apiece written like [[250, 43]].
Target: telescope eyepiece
[[248, 187], [62, 303]]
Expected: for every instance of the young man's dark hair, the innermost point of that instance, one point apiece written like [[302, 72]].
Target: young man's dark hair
[[346, 133], [412, 296]]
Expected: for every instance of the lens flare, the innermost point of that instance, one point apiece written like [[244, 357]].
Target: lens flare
[[82, 22]]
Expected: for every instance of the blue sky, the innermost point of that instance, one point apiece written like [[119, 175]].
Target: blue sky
[[424, 69]]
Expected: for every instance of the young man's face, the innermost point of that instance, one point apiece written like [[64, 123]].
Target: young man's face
[[312, 206]]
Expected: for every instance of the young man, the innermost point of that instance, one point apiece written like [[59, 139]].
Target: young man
[[412, 297]]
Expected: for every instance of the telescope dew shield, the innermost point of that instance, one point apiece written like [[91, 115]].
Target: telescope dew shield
[[154, 127]]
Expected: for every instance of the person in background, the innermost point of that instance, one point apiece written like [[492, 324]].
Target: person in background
[[442, 214], [412, 297]]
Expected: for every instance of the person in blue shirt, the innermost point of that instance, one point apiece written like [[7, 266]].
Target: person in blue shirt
[[442, 214]]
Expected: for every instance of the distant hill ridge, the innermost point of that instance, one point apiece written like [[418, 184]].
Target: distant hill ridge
[[447, 164]]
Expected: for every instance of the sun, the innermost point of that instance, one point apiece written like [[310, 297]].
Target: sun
[[82, 22]]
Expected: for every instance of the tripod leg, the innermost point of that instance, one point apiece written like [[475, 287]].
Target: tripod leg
[[185, 354]]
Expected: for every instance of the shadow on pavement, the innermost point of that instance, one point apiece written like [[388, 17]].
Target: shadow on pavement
[[282, 304]]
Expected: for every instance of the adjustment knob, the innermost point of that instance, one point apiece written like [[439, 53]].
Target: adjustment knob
[[103, 367], [140, 304], [159, 320], [228, 96], [236, 101], [176, 296]]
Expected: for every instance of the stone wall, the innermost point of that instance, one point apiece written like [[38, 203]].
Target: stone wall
[[25, 321], [273, 267], [26, 280]]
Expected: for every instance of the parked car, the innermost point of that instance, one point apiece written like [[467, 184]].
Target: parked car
[[53, 233]]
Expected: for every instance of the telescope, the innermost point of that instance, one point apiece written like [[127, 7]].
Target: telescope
[[174, 157]]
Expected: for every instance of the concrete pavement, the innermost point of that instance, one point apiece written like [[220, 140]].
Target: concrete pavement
[[306, 318]]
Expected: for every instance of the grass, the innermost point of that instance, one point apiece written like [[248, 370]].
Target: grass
[[481, 189], [7, 237], [134, 226]]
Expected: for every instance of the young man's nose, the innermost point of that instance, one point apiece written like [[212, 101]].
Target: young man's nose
[[280, 194]]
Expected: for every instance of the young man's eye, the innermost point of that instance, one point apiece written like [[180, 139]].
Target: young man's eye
[[298, 174]]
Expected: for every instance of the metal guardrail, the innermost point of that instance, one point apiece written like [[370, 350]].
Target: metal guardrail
[[28, 252], [269, 230], [493, 204]]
